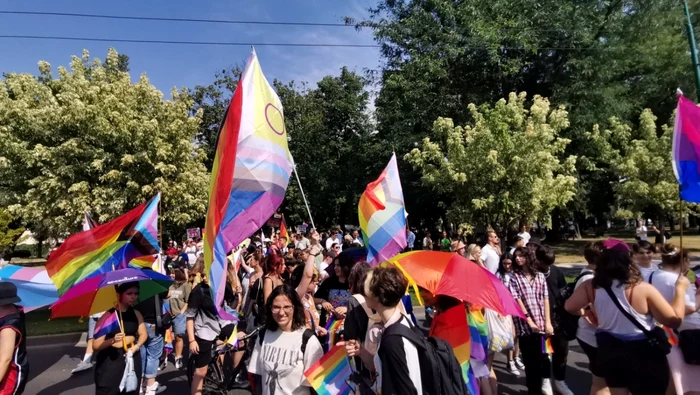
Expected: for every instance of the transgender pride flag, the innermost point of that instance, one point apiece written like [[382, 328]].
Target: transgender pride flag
[[686, 149]]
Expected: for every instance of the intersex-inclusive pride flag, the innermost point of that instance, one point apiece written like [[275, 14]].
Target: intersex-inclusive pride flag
[[129, 240], [250, 173], [452, 327], [329, 374], [686, 149], [383, 215]]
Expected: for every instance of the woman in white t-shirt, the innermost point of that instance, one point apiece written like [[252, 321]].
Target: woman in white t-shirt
[[191, 251], [673, 262], [281, 358]]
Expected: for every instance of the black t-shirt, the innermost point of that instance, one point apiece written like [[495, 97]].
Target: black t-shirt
[[177, 263], [147, 308], [356, 321], [334, 291], [556, 282], [200, 299]]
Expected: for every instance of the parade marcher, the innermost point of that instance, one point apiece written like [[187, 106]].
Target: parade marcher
[[529, 288], [151, 311], [491, 252], [556, 282], [641, 231], [585, 335], [626, 308], [14, 363], [274, 268], [505, 274], [642, 255], [396, 361], [285, 348], [86, 362], [445, 242], [524, 234], [178, 294], [356, 239], [333, 294], [110, 364], [427, 242], [410, 239], [685, 377], [473, 253]]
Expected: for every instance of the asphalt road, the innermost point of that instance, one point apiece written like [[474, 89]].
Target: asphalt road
[[50, 366]]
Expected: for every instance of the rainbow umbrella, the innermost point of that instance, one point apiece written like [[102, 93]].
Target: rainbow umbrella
[[469, 282], [422, 268], [34, 286], [99, 293]]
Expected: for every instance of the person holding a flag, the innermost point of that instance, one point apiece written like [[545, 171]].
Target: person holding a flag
[[118, 332]]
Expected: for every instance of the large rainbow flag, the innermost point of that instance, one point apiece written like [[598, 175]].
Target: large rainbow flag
[[129, 240], [451, 326], [329, 374], [383, 215], [250, 173], [686, 149]]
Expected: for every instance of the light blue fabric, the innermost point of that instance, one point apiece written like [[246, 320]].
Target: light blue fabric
[[151, 352]]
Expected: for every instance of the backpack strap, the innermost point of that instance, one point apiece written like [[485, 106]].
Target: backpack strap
[[398, 329], [308, 334], [651, 276]]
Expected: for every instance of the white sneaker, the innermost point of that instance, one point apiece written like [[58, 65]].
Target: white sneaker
[[151, 390], [547, 387], [512, 368], [562, 388], [519, 363], [178, 363], [82, 366]]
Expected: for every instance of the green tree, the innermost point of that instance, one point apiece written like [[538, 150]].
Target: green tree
[[503, 167], [10, 232], [640, 163], [598, 59], [90, 139]]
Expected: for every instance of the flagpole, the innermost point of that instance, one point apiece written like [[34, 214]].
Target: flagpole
[[681, 209], [693, 48], [294, 167]]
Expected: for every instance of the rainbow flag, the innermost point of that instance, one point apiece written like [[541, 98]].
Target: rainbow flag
[[479, 330], [332, 326], [109, 325], [329, 374], [250, 173], [547, 346], [129, 240], [451, 326], [383, 215], [686, 149]]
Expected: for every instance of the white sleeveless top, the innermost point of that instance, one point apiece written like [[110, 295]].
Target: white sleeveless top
[[611, 320]]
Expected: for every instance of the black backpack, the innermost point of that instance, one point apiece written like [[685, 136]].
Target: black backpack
[[440, 370], [568, 323]]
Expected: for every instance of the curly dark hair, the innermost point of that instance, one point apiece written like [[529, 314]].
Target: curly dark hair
[[298, 318], [615, 265], [530, 260]]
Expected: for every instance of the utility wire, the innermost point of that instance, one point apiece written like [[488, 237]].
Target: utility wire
[[148, 18], [231, 44], [247, 44]]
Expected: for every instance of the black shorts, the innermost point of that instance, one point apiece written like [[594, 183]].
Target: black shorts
[[630, 364], [592, 354], [204, 356]]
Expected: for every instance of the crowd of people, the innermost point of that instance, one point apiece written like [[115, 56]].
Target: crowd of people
[[636, 320]]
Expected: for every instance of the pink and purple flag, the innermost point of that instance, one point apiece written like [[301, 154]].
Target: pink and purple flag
[[109, 325], [34, 287], [686, 149], [250, 173], [383, 215]]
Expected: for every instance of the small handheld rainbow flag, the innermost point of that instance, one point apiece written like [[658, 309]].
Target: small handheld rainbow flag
[[479, 331], [547, 346], [332, 326], [109, 325], [328, 376]]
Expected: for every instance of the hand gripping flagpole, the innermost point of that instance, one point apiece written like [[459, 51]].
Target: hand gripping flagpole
[[294, 167]]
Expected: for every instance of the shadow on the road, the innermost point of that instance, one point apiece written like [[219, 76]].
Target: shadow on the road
[[67, 386]]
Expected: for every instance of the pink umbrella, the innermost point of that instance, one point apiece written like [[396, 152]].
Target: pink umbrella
[[469, 282]]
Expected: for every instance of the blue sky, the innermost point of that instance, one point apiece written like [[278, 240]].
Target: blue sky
[[170, 66]]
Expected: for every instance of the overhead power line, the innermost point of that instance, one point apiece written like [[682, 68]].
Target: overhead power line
[[231, 44], [149, 18], [247, 44]]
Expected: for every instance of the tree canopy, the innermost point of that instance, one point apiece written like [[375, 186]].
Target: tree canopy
[[91, 140]]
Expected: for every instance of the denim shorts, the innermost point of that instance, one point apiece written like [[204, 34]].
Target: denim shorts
[[179, 325]]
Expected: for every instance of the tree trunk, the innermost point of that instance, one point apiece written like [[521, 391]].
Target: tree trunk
[[39, 246]]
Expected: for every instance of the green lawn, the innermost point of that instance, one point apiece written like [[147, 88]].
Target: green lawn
[[38, 324]]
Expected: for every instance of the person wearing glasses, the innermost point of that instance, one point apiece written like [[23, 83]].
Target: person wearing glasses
[[285, 348]]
